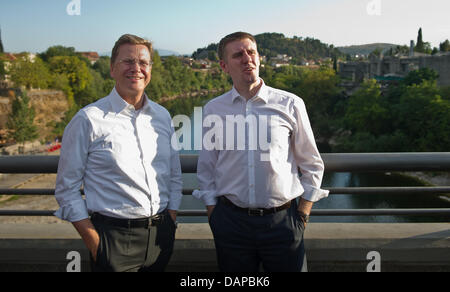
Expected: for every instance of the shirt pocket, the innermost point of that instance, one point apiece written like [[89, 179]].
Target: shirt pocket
[[280, 136], [113, 147], [101, 152]]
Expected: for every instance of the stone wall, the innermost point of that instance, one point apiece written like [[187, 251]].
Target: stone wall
[[399, 66], [440, 64]]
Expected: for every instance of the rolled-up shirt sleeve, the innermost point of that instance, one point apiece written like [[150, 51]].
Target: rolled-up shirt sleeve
[[71, 169], [307, 155]]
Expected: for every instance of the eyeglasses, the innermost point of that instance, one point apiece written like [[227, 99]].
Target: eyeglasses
[[142, 63]]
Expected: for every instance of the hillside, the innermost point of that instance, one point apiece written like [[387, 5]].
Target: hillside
[[365, 49], [273, 44], [50, 106]]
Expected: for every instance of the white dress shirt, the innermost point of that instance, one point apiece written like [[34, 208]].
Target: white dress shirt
[[262, 176], [122, 157]]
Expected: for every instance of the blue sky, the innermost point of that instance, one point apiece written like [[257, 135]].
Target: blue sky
[[185, 25]]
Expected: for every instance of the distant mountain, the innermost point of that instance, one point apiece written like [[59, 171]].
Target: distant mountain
[[164, 53], [365, 49]]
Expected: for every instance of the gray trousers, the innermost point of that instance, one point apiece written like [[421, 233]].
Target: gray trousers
[[244, 243], [134, 249]]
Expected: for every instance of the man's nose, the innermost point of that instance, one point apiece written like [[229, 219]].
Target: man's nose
[[135, 67], [246, 58]]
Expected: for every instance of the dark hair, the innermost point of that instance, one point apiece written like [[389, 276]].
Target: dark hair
[[231, 38], [132, 40]]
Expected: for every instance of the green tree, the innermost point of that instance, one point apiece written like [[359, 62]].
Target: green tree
[[2, 68], [96, 88], [419, 76], [212, 56], [2, 50], [61, 81], [366, 111], [411, 116], [170, 77], [20, 121], [401, 50], [445, 92], [444, 46], [75, 70], [57, 51], [103, 67], [335, 64], [30, 74], [420, 47], [157, 87], [425, 116]]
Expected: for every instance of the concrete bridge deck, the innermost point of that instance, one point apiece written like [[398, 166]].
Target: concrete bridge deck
[[330, 247]]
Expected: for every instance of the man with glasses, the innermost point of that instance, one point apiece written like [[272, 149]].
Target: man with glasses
[[119, 150], [251, 193]]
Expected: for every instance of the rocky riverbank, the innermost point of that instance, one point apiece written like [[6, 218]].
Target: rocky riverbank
[[432, 179]]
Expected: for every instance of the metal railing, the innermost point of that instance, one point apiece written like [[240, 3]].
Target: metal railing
[[339, 162]]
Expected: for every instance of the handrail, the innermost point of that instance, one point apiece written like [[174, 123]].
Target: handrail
[[333, 191], [314, 212], [334, 162]]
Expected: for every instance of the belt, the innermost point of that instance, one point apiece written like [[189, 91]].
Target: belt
[[255, 211], [129, 223]]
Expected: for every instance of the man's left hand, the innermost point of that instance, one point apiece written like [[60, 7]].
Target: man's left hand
[[173, 215], [304, 207]]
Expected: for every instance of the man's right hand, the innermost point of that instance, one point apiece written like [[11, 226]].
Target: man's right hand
[[89, 235], [209, 210]]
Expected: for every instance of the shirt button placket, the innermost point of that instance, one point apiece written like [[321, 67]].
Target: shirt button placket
[[250, 162], [144, 161]]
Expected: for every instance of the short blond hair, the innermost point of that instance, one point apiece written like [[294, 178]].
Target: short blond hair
[[132, 40]]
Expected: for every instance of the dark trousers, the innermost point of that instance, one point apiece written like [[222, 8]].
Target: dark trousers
[[245, 242], [134, 249]]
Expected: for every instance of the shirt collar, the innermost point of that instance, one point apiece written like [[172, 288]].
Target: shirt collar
[[263, 93], [119, 104]]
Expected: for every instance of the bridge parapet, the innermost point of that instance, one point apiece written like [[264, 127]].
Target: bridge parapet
[[330, 247]]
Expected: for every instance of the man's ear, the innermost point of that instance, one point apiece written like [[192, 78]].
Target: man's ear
[[224, 66], [111, 69]]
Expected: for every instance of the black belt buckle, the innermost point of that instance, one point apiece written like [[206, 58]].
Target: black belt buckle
[[156, 220], [255, 212], [136, 223]]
